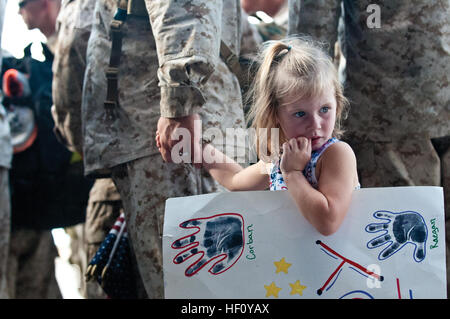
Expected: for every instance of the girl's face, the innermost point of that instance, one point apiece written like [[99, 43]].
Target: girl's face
[[313, 118]]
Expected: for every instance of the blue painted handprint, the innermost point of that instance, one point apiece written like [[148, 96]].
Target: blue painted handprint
[[218, 240], [399, 229]]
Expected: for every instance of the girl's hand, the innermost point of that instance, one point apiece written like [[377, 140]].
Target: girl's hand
[[296, 154]]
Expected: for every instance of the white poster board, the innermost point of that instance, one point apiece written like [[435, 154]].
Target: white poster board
[[258, 245]]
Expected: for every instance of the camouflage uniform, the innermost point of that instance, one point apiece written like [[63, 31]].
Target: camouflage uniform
[[74, 27], [397, 82], [250, 42], [31, 257], [171, 68], [26, 256], [5, 220], [250, 39], [103, 209], [31, 265], [5, 162]]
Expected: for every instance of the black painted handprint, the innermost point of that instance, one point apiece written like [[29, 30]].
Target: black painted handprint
[[399, 230], [218, 241]]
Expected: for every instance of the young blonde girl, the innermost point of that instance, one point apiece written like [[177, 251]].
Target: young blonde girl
[[296, 90]]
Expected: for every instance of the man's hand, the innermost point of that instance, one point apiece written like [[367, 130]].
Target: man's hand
[[182, 132]]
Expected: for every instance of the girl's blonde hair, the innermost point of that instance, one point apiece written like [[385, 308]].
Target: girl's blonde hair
[[297, 65]]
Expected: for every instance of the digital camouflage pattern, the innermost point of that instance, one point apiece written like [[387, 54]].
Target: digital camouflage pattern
[[31, 265], [5, 221], [145, 185], [73, 27], [396, 74], [250, 38], [103, 209], [5, 163], [397, 79], [171, 68], [6, 149], [147, 91]]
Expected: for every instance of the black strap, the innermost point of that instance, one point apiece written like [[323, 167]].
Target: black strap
[[137, 7], [112, 91], [234, 64]]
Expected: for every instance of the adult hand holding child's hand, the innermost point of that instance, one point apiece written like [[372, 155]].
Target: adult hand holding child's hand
[[168, 134]]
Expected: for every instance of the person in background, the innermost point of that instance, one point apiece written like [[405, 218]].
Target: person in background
[[41, 14], [74, 25], [397, 79], [5, 164], [45, 173], [31, 262], [276, 9], [169, 72]]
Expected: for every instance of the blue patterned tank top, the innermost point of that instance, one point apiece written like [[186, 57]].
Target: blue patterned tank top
[[276, 177]]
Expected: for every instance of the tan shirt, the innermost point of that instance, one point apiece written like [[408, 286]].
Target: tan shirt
[[73, 26], [398, 74], [170, 68]]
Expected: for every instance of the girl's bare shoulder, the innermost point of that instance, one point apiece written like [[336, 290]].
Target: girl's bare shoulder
[[337, 157], [340, 149]]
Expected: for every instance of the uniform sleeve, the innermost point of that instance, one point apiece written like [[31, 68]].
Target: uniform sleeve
[[187, 35], [316, 18], [74, 27]]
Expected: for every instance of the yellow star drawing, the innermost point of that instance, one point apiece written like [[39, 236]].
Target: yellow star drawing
[[282, 265], [272, 290], [297, 288]]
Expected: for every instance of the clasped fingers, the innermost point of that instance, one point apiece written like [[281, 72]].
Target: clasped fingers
[[296, 154]]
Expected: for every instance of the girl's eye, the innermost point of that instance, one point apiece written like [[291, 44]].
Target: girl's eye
[[299, 114], [324, 109]]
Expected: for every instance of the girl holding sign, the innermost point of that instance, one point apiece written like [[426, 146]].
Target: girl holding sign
[[297, 92]]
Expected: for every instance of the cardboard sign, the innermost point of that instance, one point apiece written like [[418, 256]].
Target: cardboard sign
[[258, 245]]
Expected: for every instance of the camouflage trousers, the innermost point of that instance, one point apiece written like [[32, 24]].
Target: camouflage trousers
[[100, 217], [408, 161], [31, 265], [103, 209], [5, 220], [144, 185]]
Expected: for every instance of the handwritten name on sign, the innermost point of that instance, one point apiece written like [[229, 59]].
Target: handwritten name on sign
[[251, 254], [435, 232], [213, 243]]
